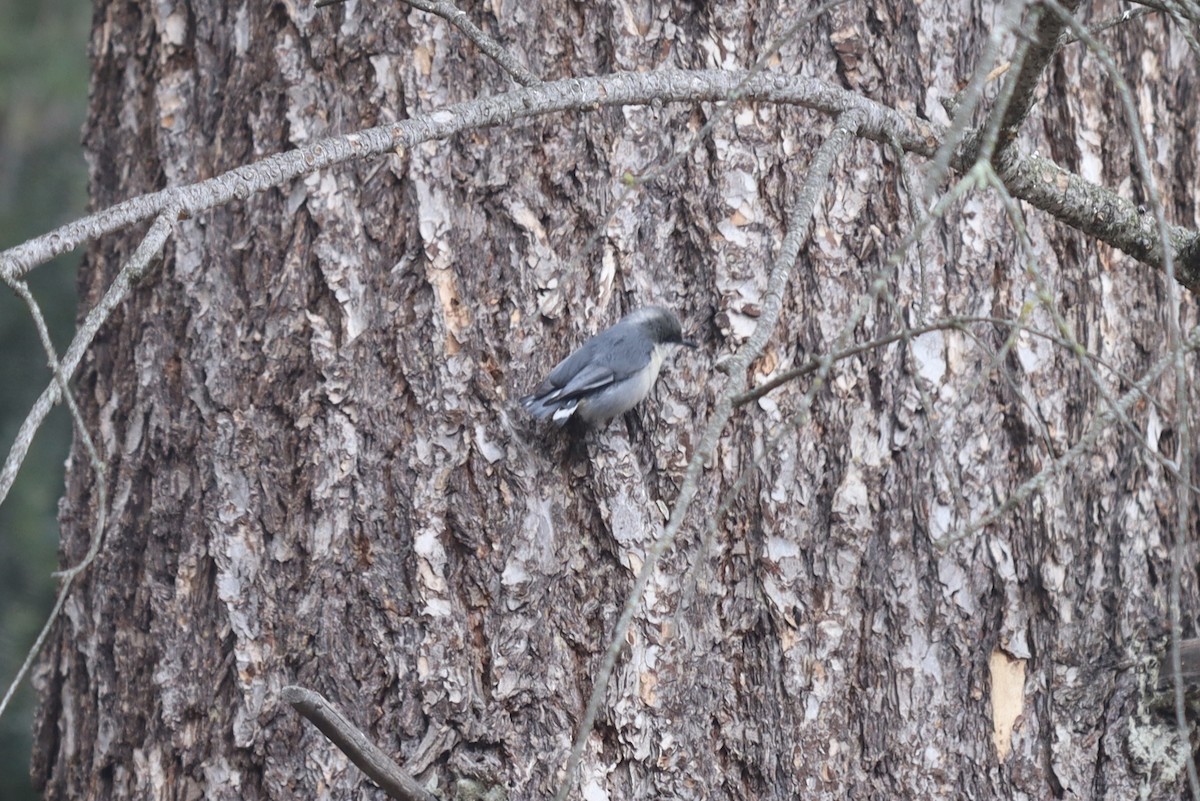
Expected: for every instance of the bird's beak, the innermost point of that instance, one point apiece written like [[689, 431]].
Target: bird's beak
[[689, 343]]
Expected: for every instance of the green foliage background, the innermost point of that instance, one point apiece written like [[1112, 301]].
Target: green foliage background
[[43, 99]]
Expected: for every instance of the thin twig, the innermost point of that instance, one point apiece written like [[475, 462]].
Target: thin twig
[[1066, 337], [130, 274], [955, 322], [483, 40], [1120, 19], [89, 446], [983, 144], [1186, 16], [351, 741], [1152, 4], [1188, 672], [1046, 299], [917, 212]]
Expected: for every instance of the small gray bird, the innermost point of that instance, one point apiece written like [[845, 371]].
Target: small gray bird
[[611, 372]]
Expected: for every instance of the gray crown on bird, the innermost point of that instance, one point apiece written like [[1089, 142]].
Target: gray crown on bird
[[610, 373]]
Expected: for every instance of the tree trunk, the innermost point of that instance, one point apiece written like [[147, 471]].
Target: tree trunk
[[318, 473]]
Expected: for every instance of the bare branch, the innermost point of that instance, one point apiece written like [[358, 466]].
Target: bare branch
[[1076, 202], [370, 758], [1048, 35], [574, 94], [1102, 214]]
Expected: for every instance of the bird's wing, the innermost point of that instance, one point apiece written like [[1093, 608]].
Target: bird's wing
[[591, 378], [612, 359]]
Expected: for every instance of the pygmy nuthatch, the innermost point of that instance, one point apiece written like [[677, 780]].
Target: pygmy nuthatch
[[611, 372]]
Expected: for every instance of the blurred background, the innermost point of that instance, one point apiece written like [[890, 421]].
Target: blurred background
[[43, 100]]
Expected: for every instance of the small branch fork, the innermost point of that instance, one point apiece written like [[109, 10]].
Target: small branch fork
[[137, 266]]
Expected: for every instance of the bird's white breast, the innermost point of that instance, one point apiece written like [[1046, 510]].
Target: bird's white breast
[[650, 374]]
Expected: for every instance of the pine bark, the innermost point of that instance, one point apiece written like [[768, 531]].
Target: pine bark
[[319, 474]]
